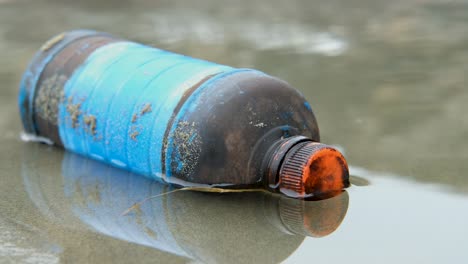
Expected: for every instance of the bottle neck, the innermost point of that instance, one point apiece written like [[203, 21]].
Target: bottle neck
[[275, 157]]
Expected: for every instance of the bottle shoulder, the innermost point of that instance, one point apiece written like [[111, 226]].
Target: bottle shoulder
[[229, 120]]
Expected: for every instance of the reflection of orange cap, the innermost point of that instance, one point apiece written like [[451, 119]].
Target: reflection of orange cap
[[311, 169], [314, 218]]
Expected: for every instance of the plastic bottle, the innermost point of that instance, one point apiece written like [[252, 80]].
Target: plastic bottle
[[175, 118]]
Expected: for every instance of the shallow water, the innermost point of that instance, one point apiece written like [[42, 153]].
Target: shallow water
[[387, 82]]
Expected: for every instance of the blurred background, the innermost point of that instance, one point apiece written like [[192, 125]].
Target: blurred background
[[387, 80]]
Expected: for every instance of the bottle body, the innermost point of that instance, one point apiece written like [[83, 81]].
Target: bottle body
[[163, 115]]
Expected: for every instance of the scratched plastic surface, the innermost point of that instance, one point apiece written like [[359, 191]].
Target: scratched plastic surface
[[31, 77], [158, 113], [129, 92], [115, 85]]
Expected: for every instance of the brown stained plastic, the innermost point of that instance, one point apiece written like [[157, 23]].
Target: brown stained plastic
[[57, 72], [252, 139]]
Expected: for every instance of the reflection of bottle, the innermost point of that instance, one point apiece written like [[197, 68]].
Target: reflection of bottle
[[175, 118], [209, 227]]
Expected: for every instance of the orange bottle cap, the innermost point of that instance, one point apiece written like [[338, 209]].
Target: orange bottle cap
[[311, 169]]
